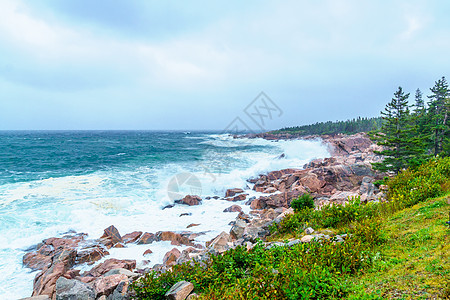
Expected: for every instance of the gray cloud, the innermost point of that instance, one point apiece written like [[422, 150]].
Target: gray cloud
[[176, 65]]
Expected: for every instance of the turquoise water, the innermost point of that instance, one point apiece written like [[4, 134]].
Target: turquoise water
[[53, 182]]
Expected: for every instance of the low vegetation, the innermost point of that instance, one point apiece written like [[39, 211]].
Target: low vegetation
[[395, 249]]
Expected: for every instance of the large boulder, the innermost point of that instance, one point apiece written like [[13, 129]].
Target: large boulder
[[173, 237], [71, 289], [349, 144], [220, 243], [312, 182], [131, 237], [240, 197], [281, 199], [232, 192], [36, 261], [90, 254], [233, 208], [237, 231], [179, 291], [109, 264], [258, 203], [112, 234], [171, 257], [274, 175], [45, 281], [190, 200], [147, 238], [121, 292], [106, 285]]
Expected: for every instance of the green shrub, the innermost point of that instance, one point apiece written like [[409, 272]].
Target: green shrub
[[317, 270], [302, 202]]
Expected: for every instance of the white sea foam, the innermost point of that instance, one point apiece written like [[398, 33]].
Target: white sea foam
[[131, 199]]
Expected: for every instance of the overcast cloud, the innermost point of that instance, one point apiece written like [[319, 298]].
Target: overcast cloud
[[196, 65]]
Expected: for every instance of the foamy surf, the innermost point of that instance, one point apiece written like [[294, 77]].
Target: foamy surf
[[131, 197]]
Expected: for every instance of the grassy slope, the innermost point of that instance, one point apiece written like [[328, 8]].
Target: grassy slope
[[415, 259]]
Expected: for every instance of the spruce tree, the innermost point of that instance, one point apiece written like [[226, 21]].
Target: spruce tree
[[437, 121], [419, 105], [419, 119], [397, 135]]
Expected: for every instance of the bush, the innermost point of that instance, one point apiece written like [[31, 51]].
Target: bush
[[317, 270], [302, 202]]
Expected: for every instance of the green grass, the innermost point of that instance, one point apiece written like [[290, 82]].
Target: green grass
[[415, 258]]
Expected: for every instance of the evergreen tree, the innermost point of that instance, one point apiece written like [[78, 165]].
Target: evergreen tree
[[419, 118], [402, 147], [419, 105], [437, 123]]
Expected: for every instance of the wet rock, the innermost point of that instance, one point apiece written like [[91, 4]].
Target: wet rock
[[90, 254], [258, 203], [232, 192], [68, 241], [233, 208], [147, 238], [281, 199], [147, 252], [71, 289], [274, 175], [131, 237], [252, 233], [45, 281], [312, 182], [71, 274], [187, 255], [171, 257], [36, 261], [190, 200], [109, 264], [112, 234], [185, 214], [173, 237], [179, 291], [122, 271], [220, 243], [270, 190], [237, 231], [168, 206], [107, 284], [240, 197], [192, 225], [121, 291]]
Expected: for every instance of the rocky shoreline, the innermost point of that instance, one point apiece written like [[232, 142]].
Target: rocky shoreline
[[347, 173]]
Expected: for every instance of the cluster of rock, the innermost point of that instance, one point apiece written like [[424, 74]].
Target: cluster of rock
[[58, 258], [346, 174]]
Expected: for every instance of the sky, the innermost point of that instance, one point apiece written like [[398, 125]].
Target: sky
[[196, 65]]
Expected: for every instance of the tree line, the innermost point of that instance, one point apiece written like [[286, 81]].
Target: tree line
[[413, 133], [346, 127]]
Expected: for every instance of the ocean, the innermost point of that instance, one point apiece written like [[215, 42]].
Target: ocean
[[52, 182]]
